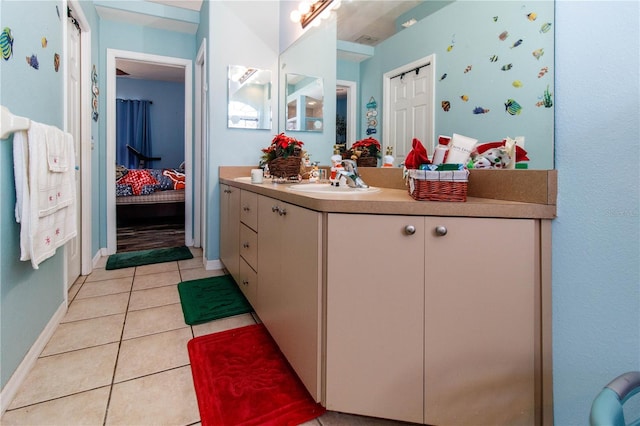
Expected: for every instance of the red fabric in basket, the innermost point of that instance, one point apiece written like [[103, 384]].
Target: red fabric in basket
[[417, 155]]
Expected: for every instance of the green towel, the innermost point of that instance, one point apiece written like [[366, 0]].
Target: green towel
[[208, 299]]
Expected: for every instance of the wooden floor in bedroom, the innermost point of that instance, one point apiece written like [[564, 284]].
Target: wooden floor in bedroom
[[154, 234]]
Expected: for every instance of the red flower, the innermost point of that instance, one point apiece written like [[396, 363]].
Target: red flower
[[371, 145], [281, 146]]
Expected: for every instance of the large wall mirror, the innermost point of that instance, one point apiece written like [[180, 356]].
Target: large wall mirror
[[493, 67], [249, 101], [305, 103]]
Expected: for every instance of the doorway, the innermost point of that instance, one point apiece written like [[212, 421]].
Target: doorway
[[408, 107], [347, 99], [184, 65]]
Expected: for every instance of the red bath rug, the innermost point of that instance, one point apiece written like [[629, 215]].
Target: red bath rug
[[242, 378]]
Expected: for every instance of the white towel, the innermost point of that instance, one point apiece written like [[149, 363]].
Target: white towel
[[57, 150], [45, 205]]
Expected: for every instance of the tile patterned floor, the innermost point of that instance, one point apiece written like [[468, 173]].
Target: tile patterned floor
[[119, 356]]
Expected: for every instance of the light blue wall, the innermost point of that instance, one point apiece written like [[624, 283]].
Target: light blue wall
[[134, 38], [465, 34], [226, 47], [596, 249], [167, 116], [28, 297]]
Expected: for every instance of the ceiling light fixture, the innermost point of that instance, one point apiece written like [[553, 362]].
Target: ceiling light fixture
[[307, 12], [247, 75]]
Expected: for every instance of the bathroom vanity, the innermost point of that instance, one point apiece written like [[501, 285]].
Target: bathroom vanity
[[427, 312]]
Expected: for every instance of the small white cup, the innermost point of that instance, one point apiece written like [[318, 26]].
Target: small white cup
[[256, 175]]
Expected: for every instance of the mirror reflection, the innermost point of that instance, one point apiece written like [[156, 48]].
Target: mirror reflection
[[304, 103], [492, 71], [249, 102]]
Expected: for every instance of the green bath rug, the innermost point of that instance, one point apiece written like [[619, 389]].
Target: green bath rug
[[147, 257], [208, 299]]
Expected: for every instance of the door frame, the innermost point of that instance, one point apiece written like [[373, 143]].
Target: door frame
[[86, 144], [386, 94], [352, 107], [201, 152], [112, 56]]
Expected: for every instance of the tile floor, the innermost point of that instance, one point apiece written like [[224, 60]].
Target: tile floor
[[119, 356]]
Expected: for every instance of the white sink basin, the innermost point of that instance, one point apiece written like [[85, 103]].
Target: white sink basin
[[326, 188]]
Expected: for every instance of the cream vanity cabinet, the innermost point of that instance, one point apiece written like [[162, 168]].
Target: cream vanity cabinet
[[248, 279], [230, 229], [290, 284], [433, 319]]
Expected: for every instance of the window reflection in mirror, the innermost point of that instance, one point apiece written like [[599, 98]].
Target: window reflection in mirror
[[249, 102], [304, 103]]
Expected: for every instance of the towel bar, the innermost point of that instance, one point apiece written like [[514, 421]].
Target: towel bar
[[10, 123]]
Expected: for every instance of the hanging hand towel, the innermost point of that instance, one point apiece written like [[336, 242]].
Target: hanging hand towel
[[55, 189], [57, 150]]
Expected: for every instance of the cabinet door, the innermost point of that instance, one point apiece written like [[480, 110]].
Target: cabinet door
[[480, 334], [230, 229], [375, 322], [288, 302], [248, 281]]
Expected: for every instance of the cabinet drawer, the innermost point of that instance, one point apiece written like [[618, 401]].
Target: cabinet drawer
[[249, 246], [249, 209], [248, 282]]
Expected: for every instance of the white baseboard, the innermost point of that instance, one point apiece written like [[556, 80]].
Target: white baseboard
[[11, 388], [97, 257], [212, 265]]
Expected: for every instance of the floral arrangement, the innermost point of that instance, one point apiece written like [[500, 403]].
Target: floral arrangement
[[282, 146], [368, 147]]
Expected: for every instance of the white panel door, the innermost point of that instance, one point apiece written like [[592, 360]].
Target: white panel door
[[73, 127], [411, 104]]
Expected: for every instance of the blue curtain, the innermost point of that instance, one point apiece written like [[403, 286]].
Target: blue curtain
[[133, 128]]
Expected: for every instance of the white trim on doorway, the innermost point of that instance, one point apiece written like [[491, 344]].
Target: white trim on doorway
[[112, 55], [352, 105], [201, 143], [85, 231]]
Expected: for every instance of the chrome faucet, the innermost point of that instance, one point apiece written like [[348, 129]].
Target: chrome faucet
[[350, 172]]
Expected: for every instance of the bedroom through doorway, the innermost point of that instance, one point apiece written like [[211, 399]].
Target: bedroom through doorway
[[150, 204]]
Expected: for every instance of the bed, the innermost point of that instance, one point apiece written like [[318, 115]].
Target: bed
[[149, 186]]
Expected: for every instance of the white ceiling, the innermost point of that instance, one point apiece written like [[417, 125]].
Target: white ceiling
[[150, 71], [367, 22], [185, 4], [370, 22]]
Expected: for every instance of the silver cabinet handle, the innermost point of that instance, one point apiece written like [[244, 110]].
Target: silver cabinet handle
[[275, 209], [246, 208], [245, 245], [409, 229], [441, 231], [245, 282], [282, 212]]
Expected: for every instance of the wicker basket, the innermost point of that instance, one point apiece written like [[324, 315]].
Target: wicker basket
[[282, 167], [367, 162], [426, 185]]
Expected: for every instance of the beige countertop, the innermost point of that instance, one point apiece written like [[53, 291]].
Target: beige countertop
[[511, 199]]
